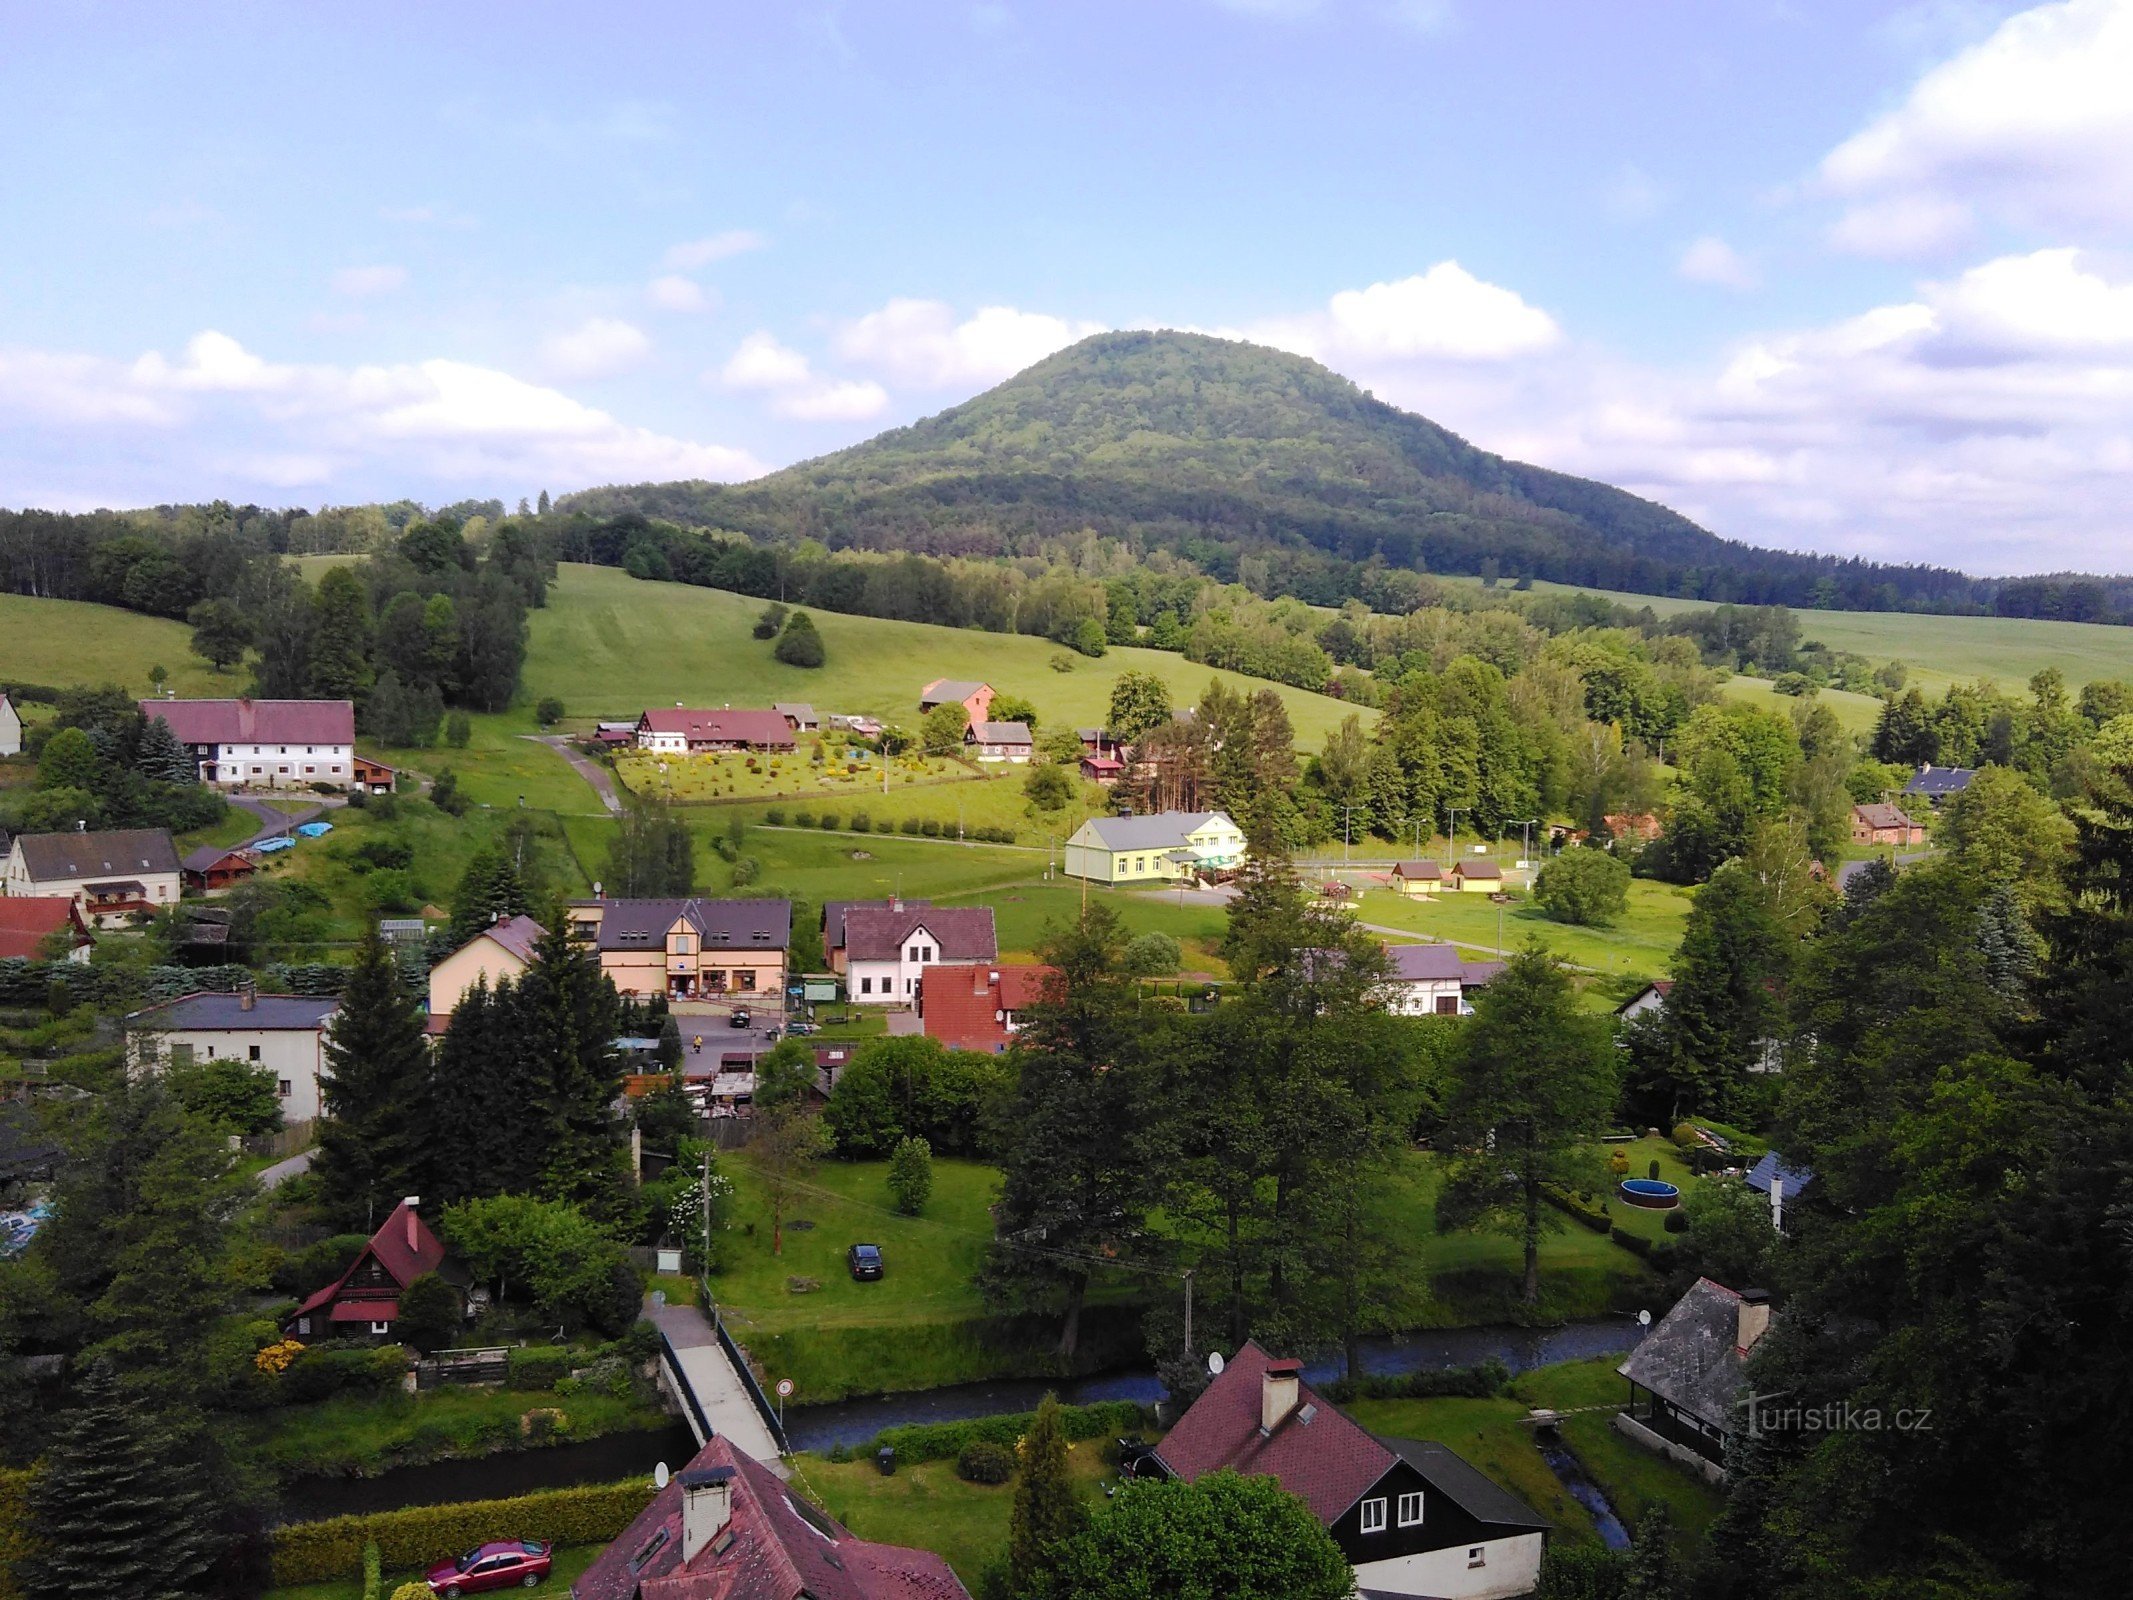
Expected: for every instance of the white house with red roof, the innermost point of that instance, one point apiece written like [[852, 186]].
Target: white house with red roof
[[264, 744], [886, 947], [680, 731], [728, 1528], [365, 1300], [1411, 1517], [976, 1006]]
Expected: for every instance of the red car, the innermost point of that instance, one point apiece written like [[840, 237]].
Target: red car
[[492, 1566]]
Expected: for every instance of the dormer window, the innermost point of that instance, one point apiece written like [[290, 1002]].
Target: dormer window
[[1410, 1509], [1374, 1515]]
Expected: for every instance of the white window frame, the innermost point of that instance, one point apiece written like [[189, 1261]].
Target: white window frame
[[1410, 1502], [1373, 1514], [381, 1327], [1477, 1556]]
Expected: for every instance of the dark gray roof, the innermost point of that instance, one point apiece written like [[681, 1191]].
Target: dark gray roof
[[1691, 1357], [1460, 1483], [52, 857], [1438, 963], [947, 690], [208, 1013], [833, 918], [1933, 782], [1000, 732], [1759, 1175], [721, 924], [26, 1150]]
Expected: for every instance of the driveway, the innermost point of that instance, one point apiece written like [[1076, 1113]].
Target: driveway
[[273, 1177], [270, 820], [591, 771]]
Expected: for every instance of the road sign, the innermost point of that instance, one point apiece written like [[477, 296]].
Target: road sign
[[785, 1388]]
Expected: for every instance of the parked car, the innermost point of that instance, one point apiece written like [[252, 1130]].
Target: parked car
[[739, 1019], [507, 1564], [865, 1262], [799, 1029]]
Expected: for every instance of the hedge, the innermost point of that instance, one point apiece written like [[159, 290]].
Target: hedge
[[540, 1366], [325, 1552], [14, 1527], [329, 1369], [24, 982], [940, 1441], [1593, 1216], [1483, 1381]]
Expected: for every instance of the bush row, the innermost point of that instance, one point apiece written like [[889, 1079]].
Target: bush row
[[1660, 1255], [324, 1370], [324, 1552], [1588, 1211], [541, 1366], [1482, 1381], [61, 984], [941, 1441], [861, 822]]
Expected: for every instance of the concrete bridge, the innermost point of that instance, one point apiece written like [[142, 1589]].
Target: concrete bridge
[[702, 1368]]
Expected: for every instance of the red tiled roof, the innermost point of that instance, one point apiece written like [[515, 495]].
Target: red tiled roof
[[404, 1261], [720, 727], [962, 933], [960, 1005], [26, 921], [256, 721], [1883, 816], [781, 1548], [1327, 1462]]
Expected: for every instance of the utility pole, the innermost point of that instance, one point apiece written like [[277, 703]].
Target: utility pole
[[1347, 833], [1188, 1311], [1451, 837], [1525, 850]]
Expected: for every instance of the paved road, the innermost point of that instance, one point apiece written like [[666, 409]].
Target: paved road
[[270, 820], [713, 1381], [273, 1177], [591, 771]]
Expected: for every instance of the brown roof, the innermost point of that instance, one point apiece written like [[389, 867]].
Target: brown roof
[[256, 721], [1325, 1460], [1477, 869], [1879, 815], [55, 856], [942, 691], [405, 1260], [962, 933], [720, 727], [782, 1547], [27, 920], [516, 934], [1419, 871]]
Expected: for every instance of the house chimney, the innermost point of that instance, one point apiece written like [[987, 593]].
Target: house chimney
[[1278, 1388], [248, 997], [411, 1202], [896, 902], [1754, 1319], [1777, 1203], [706, 1507]]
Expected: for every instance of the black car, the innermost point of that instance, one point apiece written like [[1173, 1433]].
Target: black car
[[865, 1262], [739, 1019]]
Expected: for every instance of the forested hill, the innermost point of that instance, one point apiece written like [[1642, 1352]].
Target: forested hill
[[1220, 450]]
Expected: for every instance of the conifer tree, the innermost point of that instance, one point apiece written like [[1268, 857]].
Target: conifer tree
[[571, 1069], [493, 1142], [1047, 1510], [489, 888], [340, 637], [800, 645], [120, 1507], [378, 1063], [161, 758]]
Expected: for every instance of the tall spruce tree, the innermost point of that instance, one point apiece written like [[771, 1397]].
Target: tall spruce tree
[[121, 1507], [161, 758], [339, 667], [1047, 1509], [371, 1139], [572, 1071], [495, 1141], [491, 887]]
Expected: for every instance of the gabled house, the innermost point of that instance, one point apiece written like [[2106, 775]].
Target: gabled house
[[365, 1300], [1417, 877], [1000, 741], [1936, 784], [264, 744], [32, 927], [1161, 848], [10, 728], [680, 731], [1098, 742], [798, 714], [502, 950], [886, 947], [212, 867], [1105, 770], [1413, 1519], [282, 1035], [833, 926], [726, 1527], [1885, 824], [1476, 875], [124, 873], [1433, 980], [1652, 997], [979, 1006], [690, 949], [373, 775], [975, 698], [1687, 1375]]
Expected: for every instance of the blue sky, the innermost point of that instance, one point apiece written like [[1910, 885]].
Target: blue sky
[[1838, 276]]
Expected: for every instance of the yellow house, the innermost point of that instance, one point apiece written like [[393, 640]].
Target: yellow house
[[1417, 877], [502, 950], [689, 949], [1477, 877], [1159, 849]]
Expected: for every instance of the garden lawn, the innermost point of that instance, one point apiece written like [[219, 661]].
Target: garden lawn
[[715, 777], [1024, 912], [929, 1508], [817, 864], [1639, 946], [366, 1433], [609, 645], [571, 1560], [1641, 1220], [500, 767], [989, 798]]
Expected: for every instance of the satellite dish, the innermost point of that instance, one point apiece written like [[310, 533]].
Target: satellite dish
[[659, 1475], [1214, 1363], [1644, 1319]]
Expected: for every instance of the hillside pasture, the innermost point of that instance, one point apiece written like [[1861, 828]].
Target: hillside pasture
[[67, 642]]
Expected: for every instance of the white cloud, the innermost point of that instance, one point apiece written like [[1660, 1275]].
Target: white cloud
[[362, 282], [2032, 126], [599, 347], [834, 401], [672, 292], [920, 344], [760, 363], [698, 253], [1711, 260], [220, 416], [1444, 314]]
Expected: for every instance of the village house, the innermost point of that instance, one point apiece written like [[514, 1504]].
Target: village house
[[213, 867], [130, 872], [977, 1005], [1476, 875], [681, 731], [1154, 849], [798, 714], [1412, 1518], [1779, 1184], [365, 1300], [1652, 997], [1885, 824], [43, 928], [1098, 742], [374, 776], [884, 947], [975, 698], [1432, 980], [503, 950], [1935, 784], [1000, 741], [264, 744], [1631, 827], [1105, 770], [690, 949], [1685, 1376], [1419, 878], [10, 728], [613, 735], [281, 1035], [727, 1527]]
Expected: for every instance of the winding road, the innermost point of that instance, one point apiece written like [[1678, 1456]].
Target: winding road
[[591, 771]]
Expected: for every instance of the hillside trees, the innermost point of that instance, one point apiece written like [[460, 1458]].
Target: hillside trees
[[1139, 701], [652, 852], [800, 643]]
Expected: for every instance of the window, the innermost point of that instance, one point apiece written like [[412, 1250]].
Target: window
[[252, 1053], [1477, 1555], [925, 952], [866, 985], [310, 769], [286, 1089], [303, 1325], [744, 977], [1410, 1509], [181, 1055], [1374, 1515], [913, 956], [381, 1327]]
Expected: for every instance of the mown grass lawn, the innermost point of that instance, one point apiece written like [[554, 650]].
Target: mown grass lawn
[[363, 1433], [570, 1560], [1640, 946], [1024, 913]]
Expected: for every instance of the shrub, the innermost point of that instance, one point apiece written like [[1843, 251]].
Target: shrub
[[839, 1454], [538, 1367], [1152, 955], [332, 1550], [1635, 1244], [431, 1312], [746, 871], [1653, 1170], [1686, 1137], [1581, 1207], [831, 822], [1483, 1381], [1588, 887], [943, 1441], [911, 1176], [799, 645], [1677, 1221], [323, 1370], [982, 1461], [549, 712], [458, 730], [930, 828], [412, 1591], [775, 816], [803, 819], [862, 823], [908, 825]]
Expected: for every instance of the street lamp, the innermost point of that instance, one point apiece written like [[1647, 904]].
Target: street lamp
[[1525, 849], [1451, 834]]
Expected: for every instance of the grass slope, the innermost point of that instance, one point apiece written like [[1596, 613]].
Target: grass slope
[[63, 642], [609, 645]]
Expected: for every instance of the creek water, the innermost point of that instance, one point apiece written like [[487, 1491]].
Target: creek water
[[1585, 1492]]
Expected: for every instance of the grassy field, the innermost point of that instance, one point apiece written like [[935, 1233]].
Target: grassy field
[[1856, 713], [63, 642], [1639, 947], [364, 1433], [609, 645], [571, 1560]]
